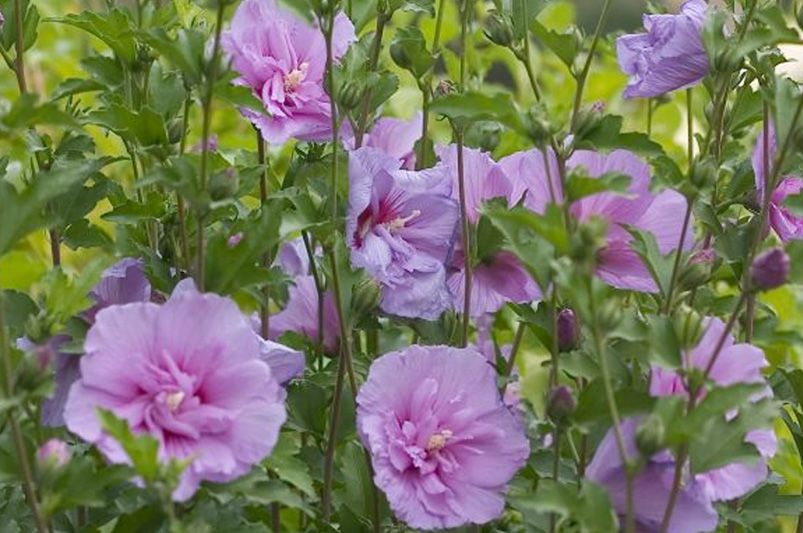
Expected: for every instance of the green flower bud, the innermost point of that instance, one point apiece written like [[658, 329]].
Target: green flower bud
[[588, 118], [703, 173], [498, 29], [610, 315], [560, 405], [224, 184], [650, 436], [351, 94], [366, 296]]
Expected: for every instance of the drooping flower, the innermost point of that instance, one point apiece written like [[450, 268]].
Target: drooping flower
[[652, 487], [400, 226], [190, 374], [786, 224], [442, 443], [669, 56], [736, 363], [283, 60], [301, 315], [395, 137], [660, 214], [499, 278]]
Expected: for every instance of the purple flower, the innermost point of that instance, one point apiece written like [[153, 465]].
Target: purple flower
[[301, 315], [190, 374], [283, 59], [400, 227], [2, 20], [770, 269], [786, 224], [670, 56], [293, 258], [442, 443], [736, 363], [122, 283], [393, 136], [285, 363], [651, 487], [495, 280], [53, 453]]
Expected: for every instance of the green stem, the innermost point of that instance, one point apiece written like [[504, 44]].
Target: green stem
[[16, 432], [581, 80], [514, 350], [610, 398], [264, 313], [553, 518], [426, 89], [182, 214], [466, 241], [20, 47], [206, 125], [381, 20], [649, 117]]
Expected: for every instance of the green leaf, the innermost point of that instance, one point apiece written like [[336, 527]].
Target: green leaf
[[590, 508], [579, 184], [563, 45], [409, 51], [113, 28], [592, 407], [285, 463], [472, 107], [143, 450], [659, 265], [24, 212], [664, 344], [607, 135]]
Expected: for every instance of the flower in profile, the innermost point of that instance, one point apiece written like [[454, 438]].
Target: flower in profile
[[499, 278], [669, 56], [53, 453], [395, 137], [283, 60], [300, 315], [652, 486], [736, 363], [661, 214], [442, 443], [189, 373], [400, 226], [786, 224]]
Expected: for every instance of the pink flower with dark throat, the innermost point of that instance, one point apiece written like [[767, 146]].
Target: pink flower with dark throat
[[283, 60], [400, 227], [189, 373], [442, 442]]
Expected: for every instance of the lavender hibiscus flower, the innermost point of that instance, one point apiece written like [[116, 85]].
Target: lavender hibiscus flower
[[670, 56], [652, 486], [190, 373], [400, 227], [786, 224], [661, 214], [500, 278], [736, 363], [283, 59], [300, 314], [442, 443], [395, 137]]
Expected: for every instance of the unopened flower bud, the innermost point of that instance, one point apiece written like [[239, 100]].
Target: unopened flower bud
[[2, 20], [53, 454], [698, 270], [588, 119], [445, 87], [211, 144], [770, 269], [610, 314], [235, 239], [568, 330], [688, 326], [538, 127], [366, 296], [703, 173], [498, 29], [650, 436], [561, 405]]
